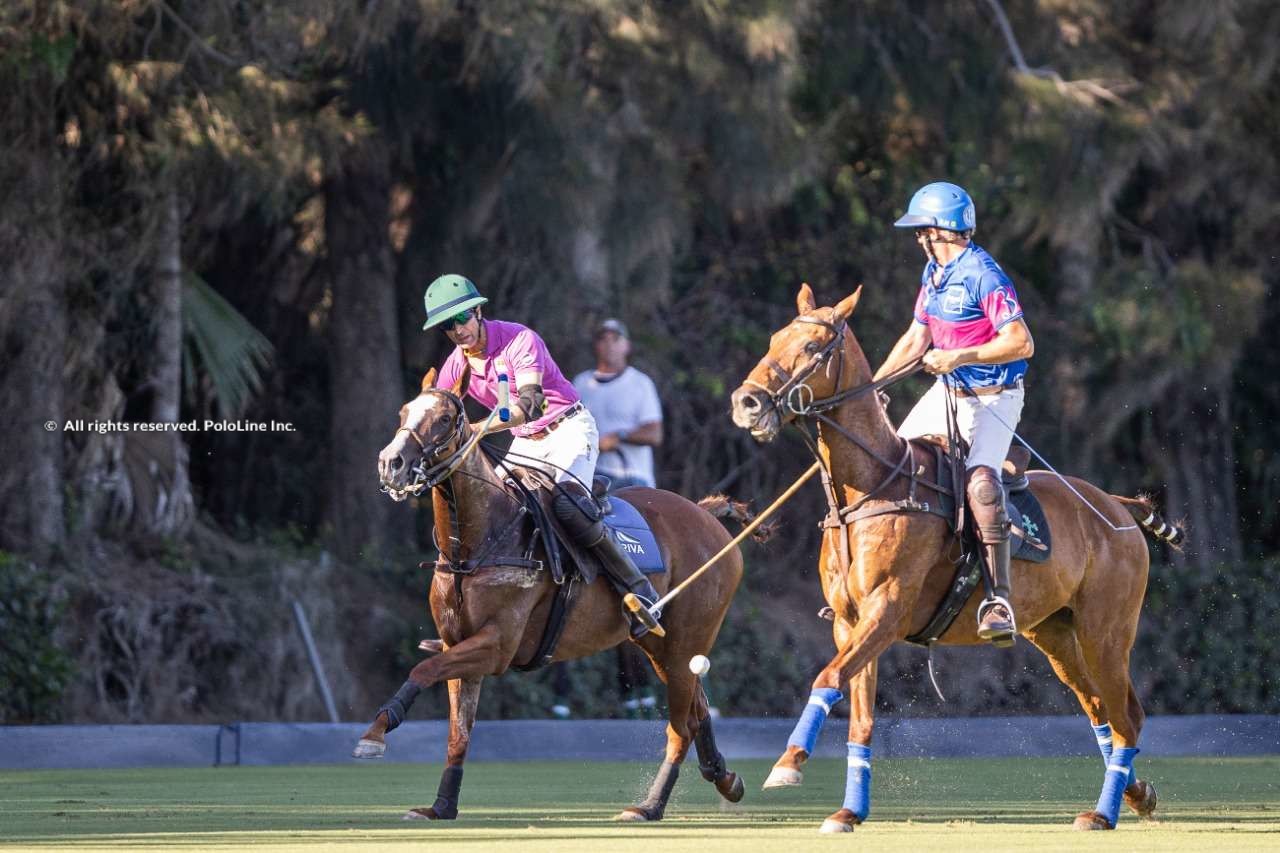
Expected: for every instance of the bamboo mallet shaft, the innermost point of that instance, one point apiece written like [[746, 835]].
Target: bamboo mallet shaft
[[633, 603]]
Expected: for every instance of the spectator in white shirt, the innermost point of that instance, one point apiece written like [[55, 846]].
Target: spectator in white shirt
[[625, 404]]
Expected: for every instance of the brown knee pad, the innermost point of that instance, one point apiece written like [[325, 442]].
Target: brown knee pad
[[986, 501]]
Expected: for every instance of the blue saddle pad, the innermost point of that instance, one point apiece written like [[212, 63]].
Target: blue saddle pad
[[1026, 512], [632, 533]]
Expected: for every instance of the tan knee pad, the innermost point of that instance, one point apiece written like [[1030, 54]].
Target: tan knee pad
[[984, 487], [986, 501]]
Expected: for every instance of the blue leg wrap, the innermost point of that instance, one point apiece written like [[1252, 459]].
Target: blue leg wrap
[[857, 785], [805, 734], [1103, 734], [1118, 768]]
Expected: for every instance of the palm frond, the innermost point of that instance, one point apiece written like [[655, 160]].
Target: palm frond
[[222, 345]]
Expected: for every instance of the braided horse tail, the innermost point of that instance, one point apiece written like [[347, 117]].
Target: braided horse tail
[[1144, 512]]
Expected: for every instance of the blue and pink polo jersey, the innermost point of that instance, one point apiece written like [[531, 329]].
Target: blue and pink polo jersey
[[973, 300], [520, 353]]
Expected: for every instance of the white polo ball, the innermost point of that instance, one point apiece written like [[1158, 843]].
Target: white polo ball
[[699, 664]]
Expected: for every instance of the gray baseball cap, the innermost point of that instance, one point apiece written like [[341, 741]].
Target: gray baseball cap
[[612, 325]]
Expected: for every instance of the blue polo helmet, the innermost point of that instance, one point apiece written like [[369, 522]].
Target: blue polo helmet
[[941, 205]]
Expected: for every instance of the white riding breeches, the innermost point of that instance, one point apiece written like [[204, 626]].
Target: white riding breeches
[[571, 447], [988, 436]]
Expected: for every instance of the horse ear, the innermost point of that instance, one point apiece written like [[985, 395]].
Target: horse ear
[[429, 380], [846, 306], [464, 379], [804, 299]]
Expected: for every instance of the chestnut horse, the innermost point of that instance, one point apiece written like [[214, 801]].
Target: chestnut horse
[[1080, 607], [494, 618]]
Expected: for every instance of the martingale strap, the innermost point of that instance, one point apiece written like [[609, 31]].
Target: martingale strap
[[566, 596], [968, 576]]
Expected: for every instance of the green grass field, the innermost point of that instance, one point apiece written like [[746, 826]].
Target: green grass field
[[918, 806]]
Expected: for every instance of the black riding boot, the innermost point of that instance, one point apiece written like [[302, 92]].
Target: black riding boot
[[986, 501], [581, 517], [995, 615]]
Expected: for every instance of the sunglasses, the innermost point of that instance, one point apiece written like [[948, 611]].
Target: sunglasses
[[458, 320]]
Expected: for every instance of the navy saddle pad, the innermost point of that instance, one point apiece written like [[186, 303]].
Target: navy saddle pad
[[632, 533], [1026, 512]]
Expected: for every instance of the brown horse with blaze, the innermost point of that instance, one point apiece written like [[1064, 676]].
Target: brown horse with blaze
[[885, 568], [492, 615]]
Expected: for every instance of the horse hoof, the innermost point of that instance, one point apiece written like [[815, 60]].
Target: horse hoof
[[1091, 820], [782, 777], [366, 748], [424, 814], [831, 827], [1141, 797], [633, 815], [730, 787]]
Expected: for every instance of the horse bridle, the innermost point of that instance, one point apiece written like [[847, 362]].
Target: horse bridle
[[791, 395], [424, 477]]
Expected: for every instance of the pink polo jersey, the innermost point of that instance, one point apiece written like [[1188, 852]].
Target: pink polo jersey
[[522, 355]]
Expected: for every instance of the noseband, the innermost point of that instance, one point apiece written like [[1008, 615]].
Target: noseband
[[795, 395]]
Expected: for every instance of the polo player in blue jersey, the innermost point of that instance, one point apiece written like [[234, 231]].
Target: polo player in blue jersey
[[970, 330]]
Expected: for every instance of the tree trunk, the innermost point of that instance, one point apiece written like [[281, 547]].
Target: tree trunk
[[33, 336], [364, 361], [166, 378], [156, 463]]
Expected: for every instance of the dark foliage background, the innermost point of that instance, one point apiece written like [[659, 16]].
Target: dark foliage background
[[230, 209]]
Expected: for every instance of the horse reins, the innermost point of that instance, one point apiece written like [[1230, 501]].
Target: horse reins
[[789, 396]]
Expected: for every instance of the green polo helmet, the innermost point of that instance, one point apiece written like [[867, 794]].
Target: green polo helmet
[[449, 295]]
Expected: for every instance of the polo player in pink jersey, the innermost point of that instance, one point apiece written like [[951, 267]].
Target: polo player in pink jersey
[[971, 333], [553, 430]]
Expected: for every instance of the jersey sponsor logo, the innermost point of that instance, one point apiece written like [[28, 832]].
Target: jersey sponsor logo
[[628, 543], [953, 300]]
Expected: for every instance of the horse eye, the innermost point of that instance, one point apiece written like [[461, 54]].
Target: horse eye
[[812, 347]]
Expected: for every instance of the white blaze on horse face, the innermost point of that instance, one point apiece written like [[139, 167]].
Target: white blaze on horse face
[[416, 413], [418, 409]]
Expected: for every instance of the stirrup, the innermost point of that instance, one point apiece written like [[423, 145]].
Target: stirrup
[[642, 617], [998, 638]]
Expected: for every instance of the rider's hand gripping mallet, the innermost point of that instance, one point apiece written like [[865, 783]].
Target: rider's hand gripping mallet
[[646, 614]]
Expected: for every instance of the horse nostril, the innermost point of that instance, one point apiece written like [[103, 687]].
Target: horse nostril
[[397, 464], [749, 401]]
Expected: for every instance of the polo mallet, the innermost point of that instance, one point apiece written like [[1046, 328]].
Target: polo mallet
[[646, 614]]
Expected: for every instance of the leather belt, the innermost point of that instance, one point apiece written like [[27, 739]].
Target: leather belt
[[984, 390], [561, 418]]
